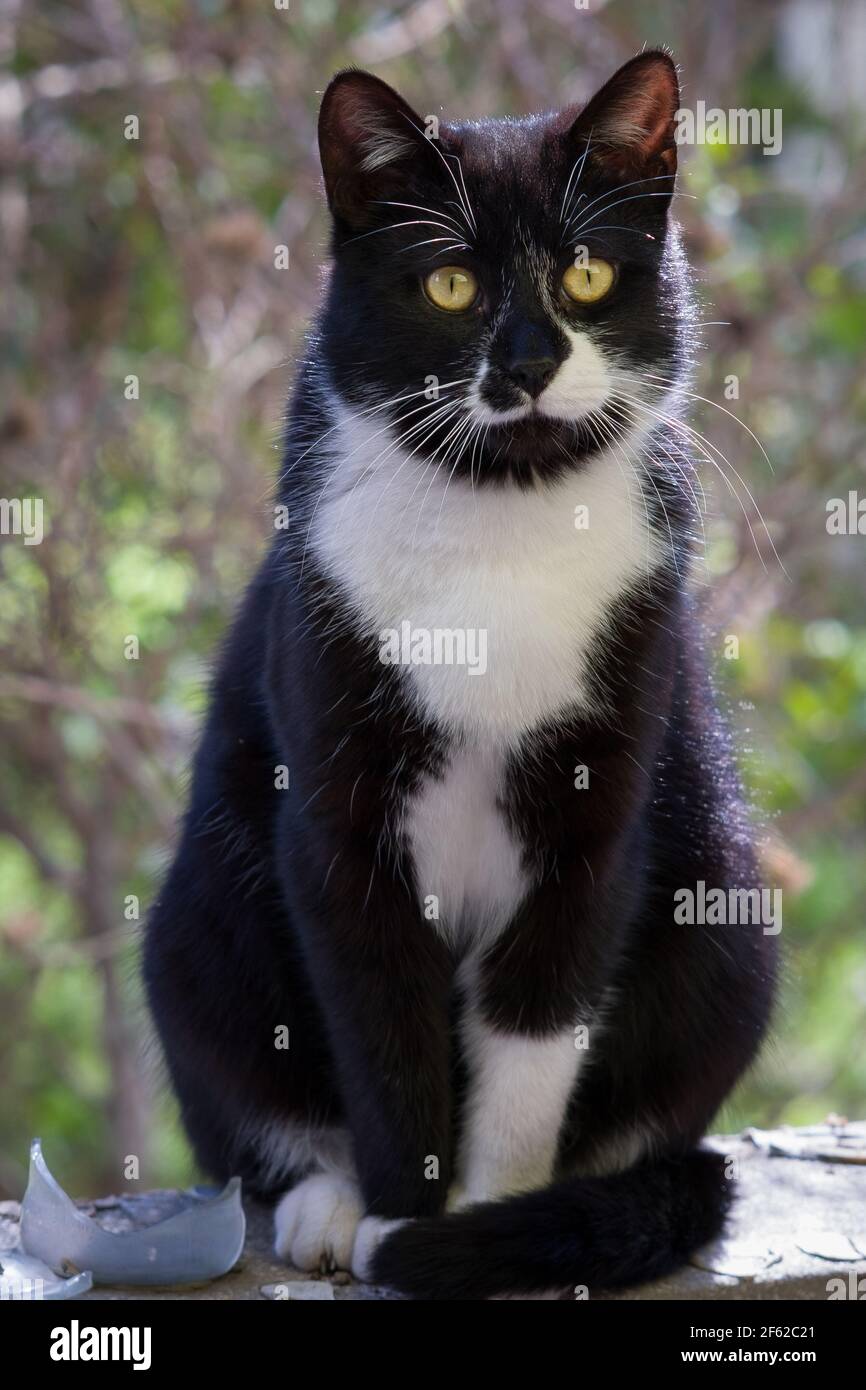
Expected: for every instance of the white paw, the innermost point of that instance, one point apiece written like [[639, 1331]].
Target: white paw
[[371, 1232], [315, 1223]]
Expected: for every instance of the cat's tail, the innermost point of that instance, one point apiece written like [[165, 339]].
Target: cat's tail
[[600, 1233]]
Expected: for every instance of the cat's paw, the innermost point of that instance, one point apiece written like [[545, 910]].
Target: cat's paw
[[315, 1223], [371, 1232]]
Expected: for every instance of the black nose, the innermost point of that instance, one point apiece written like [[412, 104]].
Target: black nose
[[532, 374]]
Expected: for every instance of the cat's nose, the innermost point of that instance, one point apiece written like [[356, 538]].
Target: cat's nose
[[532, 374], [529, 354]]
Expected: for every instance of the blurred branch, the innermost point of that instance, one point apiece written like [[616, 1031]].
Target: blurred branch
[[404, 33], [49, 869], [119, 709], [69, 955], [59, 81]]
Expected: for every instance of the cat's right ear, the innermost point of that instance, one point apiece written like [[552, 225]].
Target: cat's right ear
[[370, 142]]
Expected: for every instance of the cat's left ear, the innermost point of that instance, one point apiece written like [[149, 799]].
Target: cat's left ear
[[630, 123], [372, 145]]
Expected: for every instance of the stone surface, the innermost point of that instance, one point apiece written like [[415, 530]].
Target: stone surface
[[798, 1223]]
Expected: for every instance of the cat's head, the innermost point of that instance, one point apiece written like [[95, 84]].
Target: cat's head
[[512, 287]]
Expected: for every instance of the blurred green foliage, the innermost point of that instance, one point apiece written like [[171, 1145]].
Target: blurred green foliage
[[154, 258]]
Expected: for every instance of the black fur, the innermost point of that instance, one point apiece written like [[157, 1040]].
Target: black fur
[[298, 907]]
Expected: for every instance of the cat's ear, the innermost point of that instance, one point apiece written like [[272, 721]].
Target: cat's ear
[[370, 142], [630, 123]]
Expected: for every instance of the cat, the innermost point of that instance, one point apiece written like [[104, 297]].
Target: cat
[[415, 968]]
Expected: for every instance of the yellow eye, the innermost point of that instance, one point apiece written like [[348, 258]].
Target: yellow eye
[[452, 288], [588, 283]]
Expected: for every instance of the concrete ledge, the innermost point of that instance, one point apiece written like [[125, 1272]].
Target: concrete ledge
[[798, 1224]]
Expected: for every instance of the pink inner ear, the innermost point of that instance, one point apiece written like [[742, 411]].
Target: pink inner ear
[[642, 119], [360, 107], [361, 117], [659, 133], [661, 98], [632, 116], [365, 127]]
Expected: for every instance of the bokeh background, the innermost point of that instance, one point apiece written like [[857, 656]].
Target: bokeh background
[[155, 258]]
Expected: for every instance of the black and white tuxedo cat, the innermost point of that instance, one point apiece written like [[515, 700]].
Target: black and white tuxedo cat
[[471, 656]]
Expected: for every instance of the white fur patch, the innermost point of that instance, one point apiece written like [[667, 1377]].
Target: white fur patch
[[383, 145], [463, 852], [584, 376], [315, 1223], [409, 545], [518, 1093]]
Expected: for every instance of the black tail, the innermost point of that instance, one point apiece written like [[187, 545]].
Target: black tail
[[604, 1233]]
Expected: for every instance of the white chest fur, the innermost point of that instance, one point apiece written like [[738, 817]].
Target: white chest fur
[[466, 859], [535, 572]]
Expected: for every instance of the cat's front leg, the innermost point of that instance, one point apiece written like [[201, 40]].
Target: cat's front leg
[[532, 1004], [515, 1111], [382, 981], [518, 1093], [533, 1000]]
